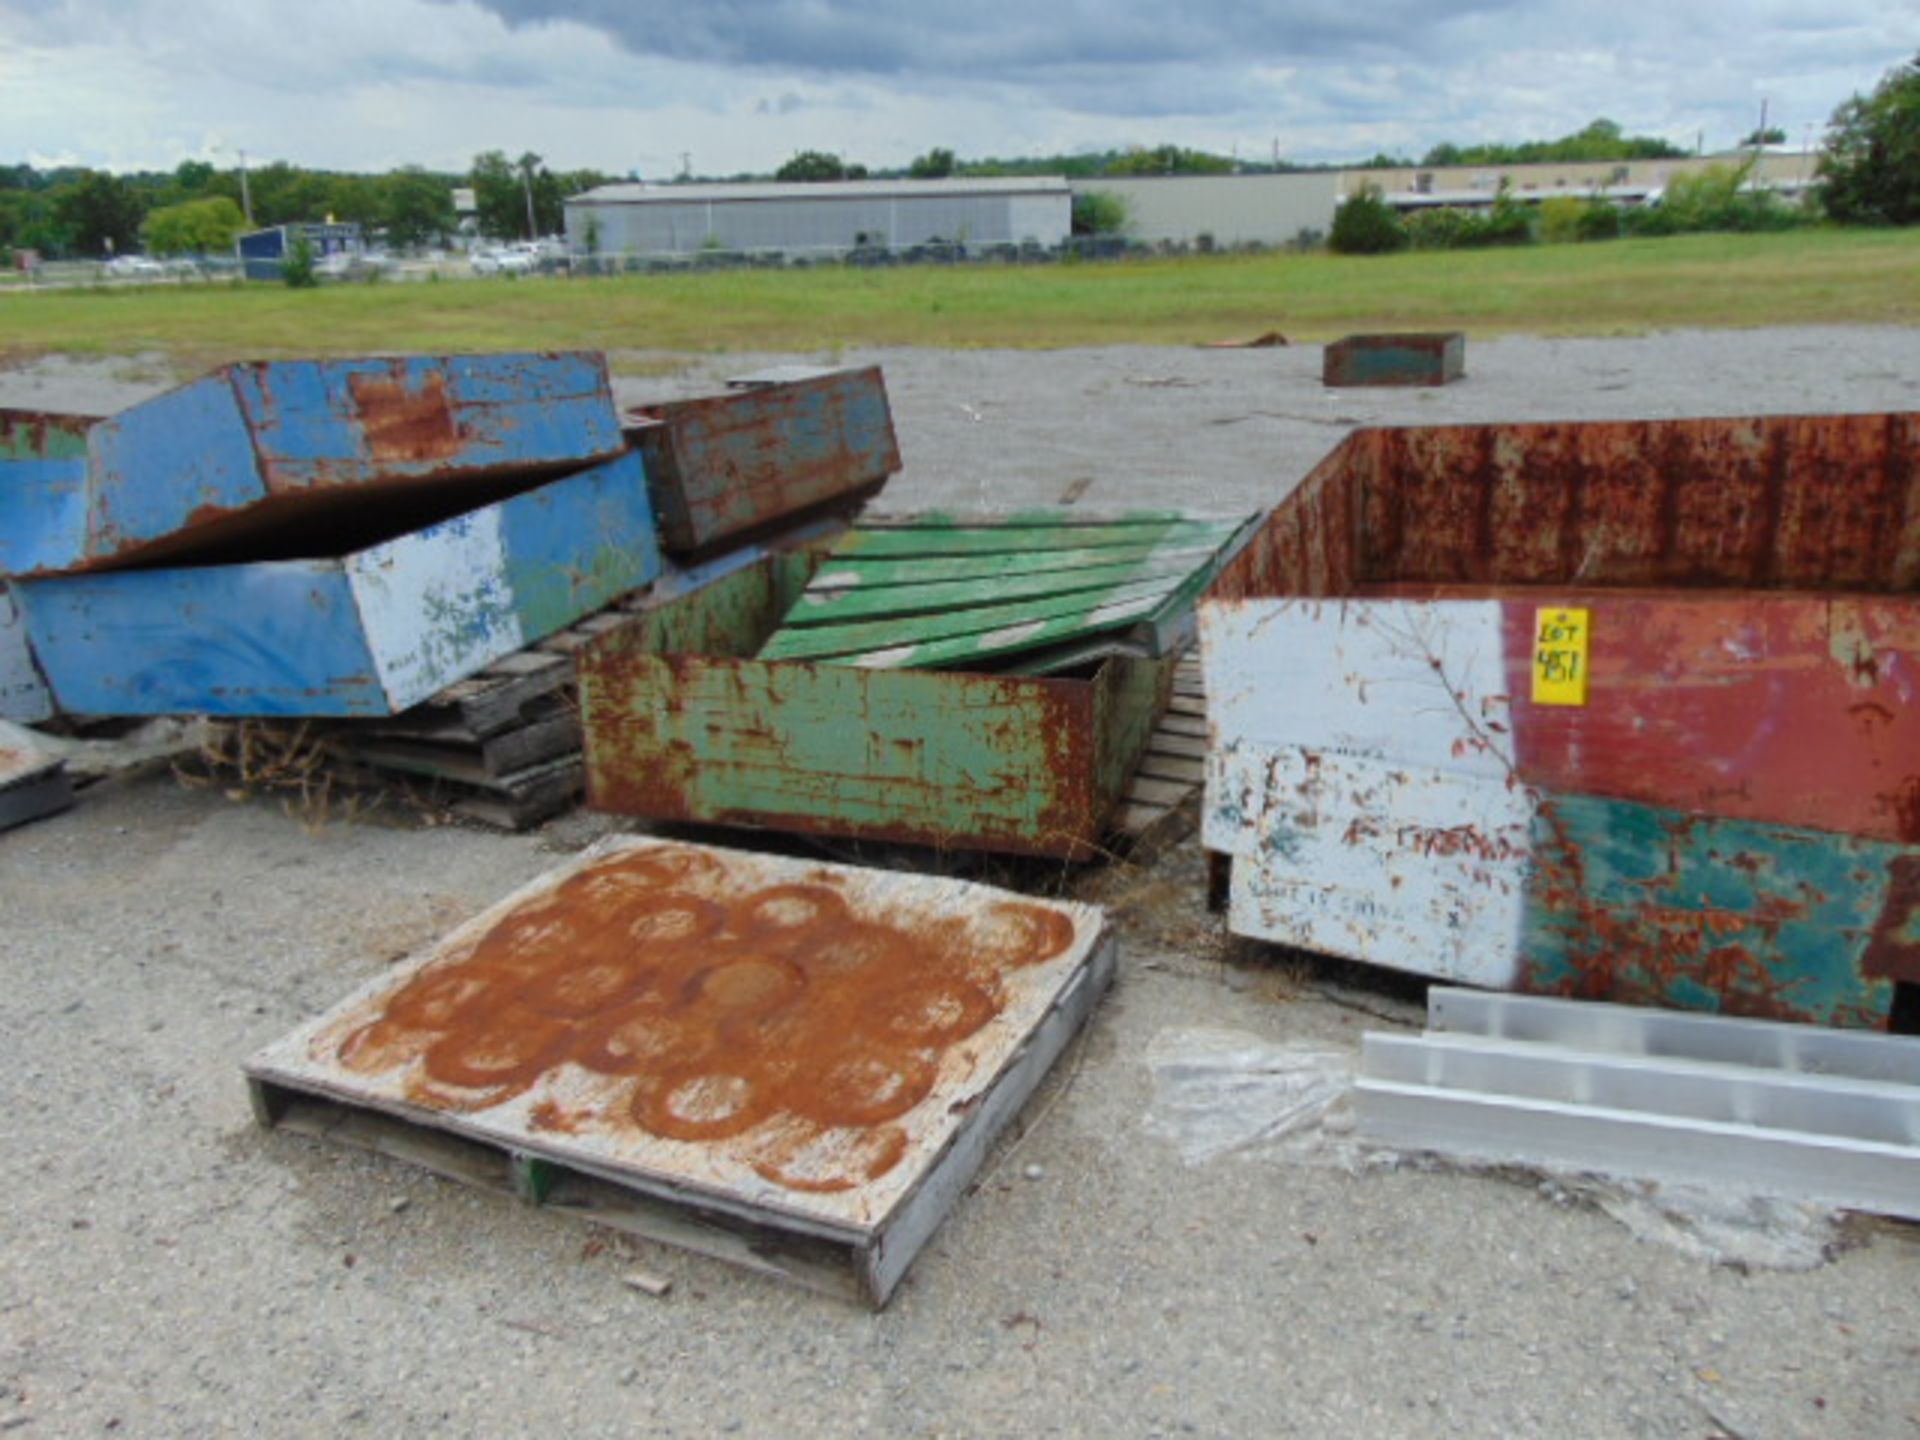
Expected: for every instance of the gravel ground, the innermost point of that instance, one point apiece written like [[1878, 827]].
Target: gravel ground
[[168, 1269]]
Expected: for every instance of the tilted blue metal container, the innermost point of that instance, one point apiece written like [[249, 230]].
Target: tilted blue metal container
[[253, 458], [368, 633]]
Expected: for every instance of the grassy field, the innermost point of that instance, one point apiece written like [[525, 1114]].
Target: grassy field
[[1804, 277]]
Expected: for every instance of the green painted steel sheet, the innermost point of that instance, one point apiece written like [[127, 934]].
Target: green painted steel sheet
[[1638, 903]]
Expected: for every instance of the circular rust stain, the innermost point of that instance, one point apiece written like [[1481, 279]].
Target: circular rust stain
[[746, 985], [381, 1046], [670, 918], [526, 941], [611, 883], [938, 1010], [829, 1161], [585, 990], [701, 1104], [507, 1047], [853, 950], [1011, 935], [862, 1086], [437, 999], [642, 1040], [788, 914]]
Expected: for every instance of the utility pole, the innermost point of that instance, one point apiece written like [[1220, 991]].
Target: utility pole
[[246, 196], [686, 164], [526, 176], [1760, 135]]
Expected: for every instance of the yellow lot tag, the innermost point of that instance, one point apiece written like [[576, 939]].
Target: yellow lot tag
[[1560, 639]]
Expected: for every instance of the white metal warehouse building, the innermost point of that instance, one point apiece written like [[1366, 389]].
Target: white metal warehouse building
[[831, 216]]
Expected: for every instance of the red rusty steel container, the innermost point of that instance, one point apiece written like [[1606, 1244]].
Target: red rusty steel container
[[725, 466], [1723, 812]]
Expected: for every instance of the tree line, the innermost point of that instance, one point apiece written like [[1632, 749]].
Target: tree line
[[198, 209], [1870, 171]]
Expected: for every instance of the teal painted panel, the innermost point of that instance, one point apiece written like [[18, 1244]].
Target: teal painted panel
[[1646, 905]]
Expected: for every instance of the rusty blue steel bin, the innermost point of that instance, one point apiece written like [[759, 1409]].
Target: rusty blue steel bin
[[367, 632], [249, 460]]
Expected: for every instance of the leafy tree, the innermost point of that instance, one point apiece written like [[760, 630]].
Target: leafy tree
[[1601, 139], [499, 208], [1366, 225], [1099, 212], [936, 164], [191, 180], [101, 213], [194, 227], [1772, 135], [500, 190], [1169, 160], [812, 166], [416, 208], [297, 268], [27, 222], [1870, 171]]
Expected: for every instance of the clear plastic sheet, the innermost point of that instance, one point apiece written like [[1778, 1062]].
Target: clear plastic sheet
[[1220, 1093]]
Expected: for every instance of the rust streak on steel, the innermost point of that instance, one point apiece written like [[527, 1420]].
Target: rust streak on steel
[[405, 422]]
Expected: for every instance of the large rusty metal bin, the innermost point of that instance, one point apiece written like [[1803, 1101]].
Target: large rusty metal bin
[[251, 459], [1623, 710], [725, 466], [683, 723]]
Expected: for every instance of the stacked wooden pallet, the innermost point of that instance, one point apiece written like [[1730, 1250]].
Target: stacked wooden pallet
[[31, 786], [1161, 803], [501, 747]]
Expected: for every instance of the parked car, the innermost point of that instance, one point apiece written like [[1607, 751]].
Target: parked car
[[512, 261], [135, 267]]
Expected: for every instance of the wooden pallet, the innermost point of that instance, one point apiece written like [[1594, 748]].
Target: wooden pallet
[[31, 786], [1161, 804], [836, 1201]]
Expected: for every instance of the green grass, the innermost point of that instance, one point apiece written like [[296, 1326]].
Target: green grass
[[1629, 286]]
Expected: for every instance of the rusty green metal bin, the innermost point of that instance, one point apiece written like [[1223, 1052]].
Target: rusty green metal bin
[[683, 723]]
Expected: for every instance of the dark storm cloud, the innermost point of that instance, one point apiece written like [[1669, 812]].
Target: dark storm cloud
[[1006, 39]]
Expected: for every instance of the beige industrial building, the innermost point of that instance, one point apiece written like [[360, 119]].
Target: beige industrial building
[[1789, 172], [1231, 209], [826, 219]]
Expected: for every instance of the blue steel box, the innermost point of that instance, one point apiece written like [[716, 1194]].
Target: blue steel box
[[372, 632], [249, 459]]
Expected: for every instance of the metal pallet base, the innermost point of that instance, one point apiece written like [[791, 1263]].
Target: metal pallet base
[[1785, 1110]]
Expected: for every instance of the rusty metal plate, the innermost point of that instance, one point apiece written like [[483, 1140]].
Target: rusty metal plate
[[799, 1042]]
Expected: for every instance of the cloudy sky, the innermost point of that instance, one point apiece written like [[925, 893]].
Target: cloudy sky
[[642, 85]]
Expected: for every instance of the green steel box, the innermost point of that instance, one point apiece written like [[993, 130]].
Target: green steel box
[[1436, 358], [683, 723]]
